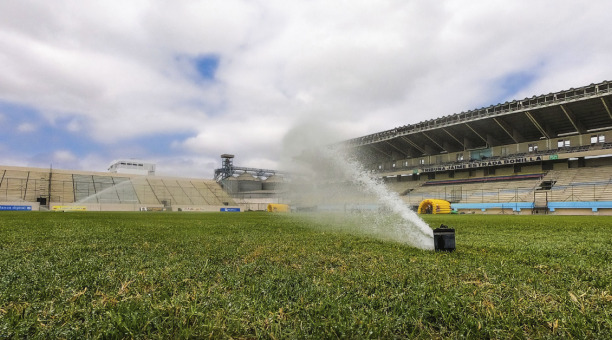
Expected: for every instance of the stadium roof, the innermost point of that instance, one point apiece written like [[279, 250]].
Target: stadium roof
[[575, 111]]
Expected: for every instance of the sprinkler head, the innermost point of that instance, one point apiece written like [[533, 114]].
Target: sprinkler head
[[444, 238]]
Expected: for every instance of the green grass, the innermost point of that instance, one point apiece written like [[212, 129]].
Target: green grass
[[257, 275]]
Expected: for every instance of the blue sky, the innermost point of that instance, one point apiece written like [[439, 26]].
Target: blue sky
[[180, 83], [206, 66]]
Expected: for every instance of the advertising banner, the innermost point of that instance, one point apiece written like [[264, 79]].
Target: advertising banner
[[68, 208], [480, 164], [231, 209], [15, 208]]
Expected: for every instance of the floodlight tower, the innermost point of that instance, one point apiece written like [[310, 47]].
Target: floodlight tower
[[227, 167]]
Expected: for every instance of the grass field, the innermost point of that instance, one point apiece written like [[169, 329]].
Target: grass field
[[258, 275]]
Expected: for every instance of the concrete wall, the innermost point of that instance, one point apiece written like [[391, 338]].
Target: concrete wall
[[599, 212]]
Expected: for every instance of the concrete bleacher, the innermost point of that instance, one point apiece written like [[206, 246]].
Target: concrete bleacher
[[62, 187], [106, 191], [477, 192], [581, 184], [192, 192], [212, 192], [13, 185], [161, 191], [144, 192], [36, 186], [569, 191], [405, 187], [84, 188], [124, 190]]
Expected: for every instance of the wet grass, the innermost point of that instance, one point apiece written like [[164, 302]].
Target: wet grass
[[257, 275]]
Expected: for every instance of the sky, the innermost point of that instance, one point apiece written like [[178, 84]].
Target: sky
[[181, 82]]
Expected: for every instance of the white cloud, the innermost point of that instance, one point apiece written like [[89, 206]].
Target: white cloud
[[117, 70], [64, 156], [26, 127]]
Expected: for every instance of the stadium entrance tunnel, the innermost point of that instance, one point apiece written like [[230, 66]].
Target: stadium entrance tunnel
[[434, 206]]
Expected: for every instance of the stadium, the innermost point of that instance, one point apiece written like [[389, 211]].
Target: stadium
[[548, 154], [115, 272]]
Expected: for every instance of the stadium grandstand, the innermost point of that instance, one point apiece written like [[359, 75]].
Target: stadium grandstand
[[545, 154], [23, 188], [131, 185]]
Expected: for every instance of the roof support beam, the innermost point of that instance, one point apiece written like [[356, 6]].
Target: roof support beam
[[469, 144], [408, 148], [537, 125], [513, 133], [414, 145], [363, 154], [572, 118], [455, 138], [433, 141], [476, 132], [367, 153], [380, 150], [402, 152], [603, 101], [492, 141]]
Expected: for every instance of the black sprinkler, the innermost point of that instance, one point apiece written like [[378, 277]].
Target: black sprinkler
[[444, 238]]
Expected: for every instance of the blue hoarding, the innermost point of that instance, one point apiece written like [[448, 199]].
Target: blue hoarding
[[231, 209], [15, 208]]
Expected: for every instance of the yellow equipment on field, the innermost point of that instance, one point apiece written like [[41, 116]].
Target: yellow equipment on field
[[274, 207], [433, 206]]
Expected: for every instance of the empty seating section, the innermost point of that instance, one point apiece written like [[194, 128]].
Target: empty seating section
[[13, 186], [37, 186], [218, 193], [606, 193], [581, 184], [125, 190], [179, 196], [31, 184], [403, 187], [143, 191], [105, 191], [161, 191], [478, 192], [212, 192], [192, 193], [576, 184], [84, 189], [171, 191], [62, 187]]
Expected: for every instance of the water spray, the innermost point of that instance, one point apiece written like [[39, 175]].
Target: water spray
[[338, 182]]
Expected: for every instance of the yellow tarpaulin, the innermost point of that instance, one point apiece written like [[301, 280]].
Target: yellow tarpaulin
[[433, 206], [272, 207]]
